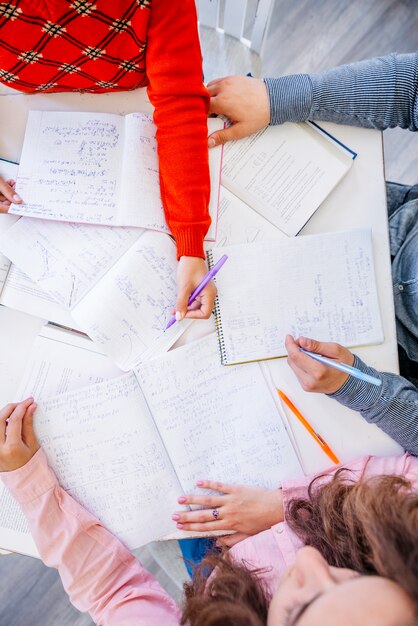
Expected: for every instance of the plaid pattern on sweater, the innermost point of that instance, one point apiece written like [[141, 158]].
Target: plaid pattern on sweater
[[73, 45]]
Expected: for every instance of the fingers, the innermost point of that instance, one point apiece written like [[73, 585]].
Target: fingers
[[5, 413], [203, 305], [14, 426], [313, 376], [213, 86], [212, 501], [28, 433], [6, 188], [201, 516], [181, 302], [202, 524], [329, 349], [220, 137], [216, 486]]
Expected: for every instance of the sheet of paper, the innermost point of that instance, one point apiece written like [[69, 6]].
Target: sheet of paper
[[97, 168], [102, 443], [239, 223], [21, 293], [65, 259], [284, 172], [61, 362], [217, 423], [330, 296], [70, 166], [8, 171], [130, 307], [58, 362]]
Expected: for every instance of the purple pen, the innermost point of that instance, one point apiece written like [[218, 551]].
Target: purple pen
[[215, 269]]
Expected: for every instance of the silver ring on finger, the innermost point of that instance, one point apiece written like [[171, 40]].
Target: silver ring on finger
[[215, 514]]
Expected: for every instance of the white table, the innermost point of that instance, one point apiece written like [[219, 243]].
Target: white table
[[359, 201]]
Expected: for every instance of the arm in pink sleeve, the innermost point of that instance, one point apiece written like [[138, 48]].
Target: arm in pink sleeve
[[99, 574], [405, 465]]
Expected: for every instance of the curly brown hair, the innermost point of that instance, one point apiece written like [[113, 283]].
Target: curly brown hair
[[368, 525]]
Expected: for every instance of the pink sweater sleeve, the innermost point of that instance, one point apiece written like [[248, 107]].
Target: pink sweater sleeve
[[99, 574], [405, 465]]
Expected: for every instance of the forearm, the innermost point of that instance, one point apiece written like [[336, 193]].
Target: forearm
[[376, 93], [176, 90], [393, 406], [99, 574]]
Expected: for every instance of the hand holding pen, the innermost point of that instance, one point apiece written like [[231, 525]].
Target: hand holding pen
[[318, 365], [200, 287]]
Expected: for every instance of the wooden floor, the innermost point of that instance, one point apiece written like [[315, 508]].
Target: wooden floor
[[304, 36]]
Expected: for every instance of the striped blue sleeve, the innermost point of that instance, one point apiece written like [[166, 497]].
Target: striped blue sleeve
[[377, 93], [393, 406]]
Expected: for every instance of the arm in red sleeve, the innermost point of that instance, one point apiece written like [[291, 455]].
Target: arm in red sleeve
[[99, 574], [174, 70]]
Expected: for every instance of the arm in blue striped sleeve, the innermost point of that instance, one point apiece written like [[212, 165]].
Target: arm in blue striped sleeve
[[393, 406], [377, 93]]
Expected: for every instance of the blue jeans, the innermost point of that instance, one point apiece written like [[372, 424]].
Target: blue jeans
[[403, 233]]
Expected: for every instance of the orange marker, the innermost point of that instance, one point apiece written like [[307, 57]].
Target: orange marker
[[309, 428]]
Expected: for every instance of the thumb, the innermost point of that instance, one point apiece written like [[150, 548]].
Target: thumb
[[220, 137], [28, 433], [181, 302]]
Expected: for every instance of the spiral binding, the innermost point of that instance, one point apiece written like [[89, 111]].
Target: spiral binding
[[218, 319]]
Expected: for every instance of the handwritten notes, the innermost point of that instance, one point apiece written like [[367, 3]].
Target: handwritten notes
[[65, 260], [59, 362], [70, 166], [331, 295], [239, 223], [217, 423], [97, 168], [102, 443], [285, 172], [129, 308], [22, 293]]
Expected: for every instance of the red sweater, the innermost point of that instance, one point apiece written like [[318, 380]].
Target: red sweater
[[114, 45]]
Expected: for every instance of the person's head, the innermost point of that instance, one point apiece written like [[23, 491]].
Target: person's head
[[359, 566]]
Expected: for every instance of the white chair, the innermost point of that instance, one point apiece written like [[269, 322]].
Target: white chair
[[232, 35]]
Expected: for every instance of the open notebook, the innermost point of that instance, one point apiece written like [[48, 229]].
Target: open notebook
[[98, 168], [320, 286], [119, 284], [285, 172], [128, 447]]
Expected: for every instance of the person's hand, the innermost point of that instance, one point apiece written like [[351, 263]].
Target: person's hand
[[8, 195], [190, 272], [314, 376], [247, 510], [244, 101], [18, 442]]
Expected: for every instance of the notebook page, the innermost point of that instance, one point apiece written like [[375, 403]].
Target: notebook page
[[65, 259], [57, 365], [102, 443], [321, 286], [140, 201], [284, 172], [217, 423], [70, 167], [239, 223], [140, 198], [130, 307], [7, 171], [54, 366], [21, 293]]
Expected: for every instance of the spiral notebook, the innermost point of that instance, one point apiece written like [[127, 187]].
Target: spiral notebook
[[320, 286]]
